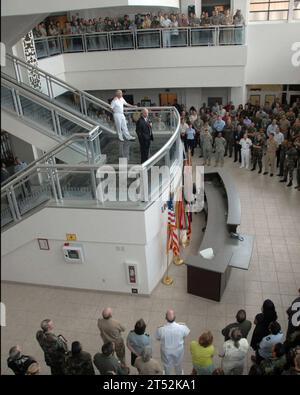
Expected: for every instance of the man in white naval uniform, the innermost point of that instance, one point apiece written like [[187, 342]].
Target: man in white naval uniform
[[171, 336], [117, 106]]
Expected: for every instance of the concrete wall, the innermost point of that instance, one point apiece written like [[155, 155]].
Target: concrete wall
[[20, 7], [101, 233], [154, 68], [270, 53]]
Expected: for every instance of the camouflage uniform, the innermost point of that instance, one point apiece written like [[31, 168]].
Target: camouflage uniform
[[290, 162], [228, 134], [220, 144], [106, 364], [55, 348], [78, 364], [258, 153], [206, 144]]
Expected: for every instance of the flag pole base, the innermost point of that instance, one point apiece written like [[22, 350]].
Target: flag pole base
[[185, 243], [178, 261], [167, 280]]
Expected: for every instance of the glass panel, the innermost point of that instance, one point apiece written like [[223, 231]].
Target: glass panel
[[76, 185], [148, 39], [259, 7], [278, 15], [204, 36], [6, 215], [7, 98], [72, 43], [41, 48], [33, 191], [98, 113], [227, 36], [281, 5], [179, 38], [54, 46], [69, 127], [259, 16], [122, 41], [97, 42], [67, 98], [239, 35], [37, 113], [8, 68]]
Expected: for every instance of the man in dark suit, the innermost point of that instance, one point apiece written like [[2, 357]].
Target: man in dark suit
[[144, 133]]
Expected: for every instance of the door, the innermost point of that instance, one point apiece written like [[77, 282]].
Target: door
[[167, 99]]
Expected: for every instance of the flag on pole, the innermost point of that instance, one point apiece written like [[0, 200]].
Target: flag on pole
[[172, 238]]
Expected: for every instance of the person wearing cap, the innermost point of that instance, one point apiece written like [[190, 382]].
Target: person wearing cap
[[111, 331], [171, 337], [18, 362], [117, 106]]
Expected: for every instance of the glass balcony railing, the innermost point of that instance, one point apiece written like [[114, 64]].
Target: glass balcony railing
[[134, 185], [140, 39], [58, 91]]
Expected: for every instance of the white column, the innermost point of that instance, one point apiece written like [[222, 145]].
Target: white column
[[291, 11], [238, 95]]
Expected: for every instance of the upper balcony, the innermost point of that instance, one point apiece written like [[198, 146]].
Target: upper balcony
[[140, 39]]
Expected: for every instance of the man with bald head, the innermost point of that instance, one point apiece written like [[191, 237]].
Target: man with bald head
[[144, 133], [171, 336], [110, 331]]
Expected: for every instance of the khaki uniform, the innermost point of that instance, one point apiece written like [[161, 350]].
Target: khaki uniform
[[110, 331], [148, 368], [270, 155]]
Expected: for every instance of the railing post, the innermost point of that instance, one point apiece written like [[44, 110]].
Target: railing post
[[84, 43], [11, 206], [57, 123], [19, 105], [15, 100], [50, 175], [17, 70], [144, 184], [54, 121], [15, 203]]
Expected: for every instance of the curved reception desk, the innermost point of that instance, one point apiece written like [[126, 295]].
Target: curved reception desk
[[208, 277]]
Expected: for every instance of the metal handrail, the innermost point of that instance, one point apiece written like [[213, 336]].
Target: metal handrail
[[136, 32], [37, 97], [63, 83], [55, 150]]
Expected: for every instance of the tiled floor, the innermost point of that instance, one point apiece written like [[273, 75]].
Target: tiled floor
[[270, 211]]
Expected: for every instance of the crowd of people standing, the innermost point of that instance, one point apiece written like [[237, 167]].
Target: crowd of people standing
[[77, 25], [267, 137], [275, 353]]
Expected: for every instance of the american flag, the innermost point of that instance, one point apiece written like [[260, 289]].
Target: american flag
[[172, 232]]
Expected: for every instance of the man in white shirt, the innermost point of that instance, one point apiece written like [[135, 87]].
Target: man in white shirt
[[166, 23], [171, 336], [245, 144], [117, 106], [272, 128]]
